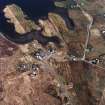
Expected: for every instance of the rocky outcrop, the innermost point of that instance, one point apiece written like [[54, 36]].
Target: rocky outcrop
[[18, 18]]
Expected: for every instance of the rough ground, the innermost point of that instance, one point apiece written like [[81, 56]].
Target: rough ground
[[60, 80]]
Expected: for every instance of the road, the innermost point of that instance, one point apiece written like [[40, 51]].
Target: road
[[90, 18]]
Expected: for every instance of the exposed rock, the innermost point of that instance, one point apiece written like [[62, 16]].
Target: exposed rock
[[18, 18], [48, 28]]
